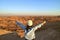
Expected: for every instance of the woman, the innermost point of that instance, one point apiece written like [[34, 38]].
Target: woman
[[29, 29]]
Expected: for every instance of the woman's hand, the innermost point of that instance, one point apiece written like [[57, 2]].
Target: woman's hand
[[43, 23]]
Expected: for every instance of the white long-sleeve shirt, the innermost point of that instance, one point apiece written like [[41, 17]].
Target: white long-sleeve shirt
[[31, 34]]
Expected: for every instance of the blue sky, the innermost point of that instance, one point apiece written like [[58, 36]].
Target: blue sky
[[29, 6]]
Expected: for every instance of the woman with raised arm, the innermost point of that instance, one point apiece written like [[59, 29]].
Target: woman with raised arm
[[29, 29]]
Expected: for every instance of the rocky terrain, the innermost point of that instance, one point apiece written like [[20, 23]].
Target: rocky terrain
[[50, 31]]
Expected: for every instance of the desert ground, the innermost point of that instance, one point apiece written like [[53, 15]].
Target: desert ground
[[10, 31]]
